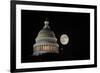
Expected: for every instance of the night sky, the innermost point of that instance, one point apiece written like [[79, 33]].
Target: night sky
[[75, 25]]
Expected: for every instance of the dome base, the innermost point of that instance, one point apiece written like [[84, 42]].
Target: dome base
[[37, 53]]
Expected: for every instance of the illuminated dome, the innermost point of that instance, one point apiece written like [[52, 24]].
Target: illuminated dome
[[46, 41]]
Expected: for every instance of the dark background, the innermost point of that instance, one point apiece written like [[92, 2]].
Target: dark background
[[75, 25]]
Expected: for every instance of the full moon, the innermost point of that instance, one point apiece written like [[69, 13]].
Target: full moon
[[64, 39]]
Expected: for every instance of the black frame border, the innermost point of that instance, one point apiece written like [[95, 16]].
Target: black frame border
[[13, 35]]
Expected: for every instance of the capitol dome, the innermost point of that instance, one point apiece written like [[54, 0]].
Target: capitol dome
[[46, 41]]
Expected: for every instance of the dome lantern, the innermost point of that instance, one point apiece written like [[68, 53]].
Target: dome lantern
[[46, 24]]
